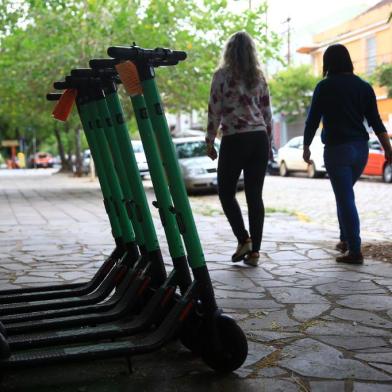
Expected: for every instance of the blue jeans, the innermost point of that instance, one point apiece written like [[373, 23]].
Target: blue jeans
[[345, 164]]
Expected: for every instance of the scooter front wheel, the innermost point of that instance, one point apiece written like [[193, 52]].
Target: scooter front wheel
[[224, 348], [191, 333], [3, 331], [4, 348]]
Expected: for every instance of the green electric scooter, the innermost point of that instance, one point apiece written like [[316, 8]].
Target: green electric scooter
[[223, 344]]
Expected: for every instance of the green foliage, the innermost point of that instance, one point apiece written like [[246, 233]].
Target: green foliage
[[291, 91], [41, 40], [383, 77]]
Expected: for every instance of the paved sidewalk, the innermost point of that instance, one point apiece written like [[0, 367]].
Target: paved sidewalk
[[312, 325]]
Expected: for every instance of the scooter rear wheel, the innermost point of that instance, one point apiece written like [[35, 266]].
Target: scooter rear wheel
[[225, 348]]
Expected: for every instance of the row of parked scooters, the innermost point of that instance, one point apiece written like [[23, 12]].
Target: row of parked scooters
[[132, 305]]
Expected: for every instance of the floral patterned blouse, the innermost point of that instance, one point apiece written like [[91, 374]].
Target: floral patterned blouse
[[235, 108]]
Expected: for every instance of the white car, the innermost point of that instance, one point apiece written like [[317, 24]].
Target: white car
[[140, 157], [290, 158]]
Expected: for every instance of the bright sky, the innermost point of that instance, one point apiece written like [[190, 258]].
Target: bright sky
[[307, 16]]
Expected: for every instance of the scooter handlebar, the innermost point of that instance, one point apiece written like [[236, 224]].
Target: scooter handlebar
[[109, 64], [136, 53], [96, 72]]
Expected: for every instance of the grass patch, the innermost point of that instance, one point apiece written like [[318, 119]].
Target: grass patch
[[310, 323], [207, 210], [301, 384], [273, 210], [378, 250], [269, 361], [276, 327]]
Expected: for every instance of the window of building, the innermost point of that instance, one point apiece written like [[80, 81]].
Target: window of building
[[371, 54]]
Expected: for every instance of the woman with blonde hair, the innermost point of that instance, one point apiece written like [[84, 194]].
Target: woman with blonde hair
[[240, 104]]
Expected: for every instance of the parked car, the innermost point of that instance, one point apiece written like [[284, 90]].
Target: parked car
[[377, 165], [86, 159], [273, 165], [41, 159], [198, 170], [290, 158], [140, 157], [188, 133]]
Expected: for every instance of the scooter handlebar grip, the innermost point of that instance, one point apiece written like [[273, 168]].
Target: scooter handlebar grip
[[53, 96], [164, 63], [124, 52], [61, 85], [102, 63], [177, 55], [83, 72], [165, 55]]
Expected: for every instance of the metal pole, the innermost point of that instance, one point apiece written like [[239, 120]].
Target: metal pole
[[288, 41], [34, 149]]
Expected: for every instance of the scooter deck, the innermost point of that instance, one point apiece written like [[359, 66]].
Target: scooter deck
[[151, 314], [122, 308], [103, 290], [52, 314], [59, 290], [140, 345]]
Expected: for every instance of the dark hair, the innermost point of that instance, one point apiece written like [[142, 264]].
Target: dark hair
[[337, 60]]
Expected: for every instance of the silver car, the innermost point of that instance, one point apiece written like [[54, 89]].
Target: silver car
[[198, 170], [140, 157]]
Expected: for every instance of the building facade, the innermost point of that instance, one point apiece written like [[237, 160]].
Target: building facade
[[368, 37]]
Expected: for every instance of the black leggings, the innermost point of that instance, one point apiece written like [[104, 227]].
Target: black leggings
[[248, 152]]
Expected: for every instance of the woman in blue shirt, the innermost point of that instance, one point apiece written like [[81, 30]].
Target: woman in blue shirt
[[343, 101]]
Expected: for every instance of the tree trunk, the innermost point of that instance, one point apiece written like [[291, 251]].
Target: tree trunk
[[61, 150], [69, 148], [78, 153]]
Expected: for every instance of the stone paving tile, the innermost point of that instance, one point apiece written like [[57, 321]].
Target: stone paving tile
[[344, 329], [374, 387], [303, 312], [362, 317], [270, 336], [382, 366], [293, 295], [314, 359], [367, 302], [354, 342], [286, 257], [272, 320], [379, 357], [344, 287], [312, 325], [327, 386]]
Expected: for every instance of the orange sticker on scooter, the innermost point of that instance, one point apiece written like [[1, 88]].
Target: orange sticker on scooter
[[64, 106], [130, 78]]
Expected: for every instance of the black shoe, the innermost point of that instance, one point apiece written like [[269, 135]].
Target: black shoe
[[242, 250], [350, 258], [342, 246], [252, 259]]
